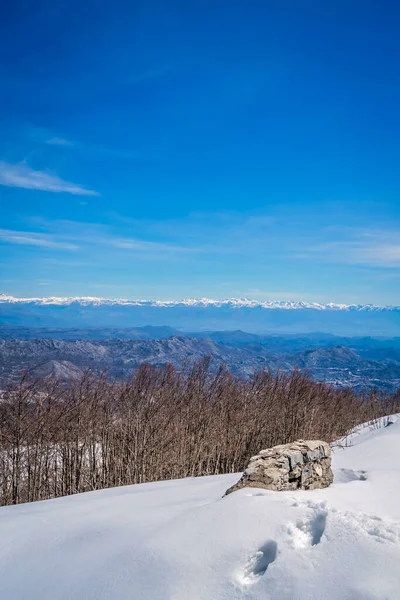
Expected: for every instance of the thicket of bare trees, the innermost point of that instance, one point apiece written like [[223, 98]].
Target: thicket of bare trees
[[163, 424]]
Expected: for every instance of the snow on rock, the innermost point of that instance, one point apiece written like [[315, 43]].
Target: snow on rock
[[180, 540]]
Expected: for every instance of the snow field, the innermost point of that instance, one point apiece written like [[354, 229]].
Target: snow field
[[181, 540]]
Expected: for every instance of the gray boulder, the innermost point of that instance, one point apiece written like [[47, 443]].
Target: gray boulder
[[302, 465]]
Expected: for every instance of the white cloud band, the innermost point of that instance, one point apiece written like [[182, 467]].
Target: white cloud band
[[22, 176]]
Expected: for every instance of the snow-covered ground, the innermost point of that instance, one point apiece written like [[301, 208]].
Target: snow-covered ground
[[180, 540]]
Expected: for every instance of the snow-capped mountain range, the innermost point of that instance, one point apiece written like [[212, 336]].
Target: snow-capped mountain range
[[194, 302], [196, 315]]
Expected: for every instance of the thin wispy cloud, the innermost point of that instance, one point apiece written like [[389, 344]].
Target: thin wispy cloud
[[146, 246], [46, 137], [268, 238], [375, 254], [58, 141], [213, 233], [370, 248], [22, 176], [71, 235], [259, 239], [41, 135], [26, 238]]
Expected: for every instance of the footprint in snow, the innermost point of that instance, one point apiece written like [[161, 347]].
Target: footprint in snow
[[309, 531], [258, 563]]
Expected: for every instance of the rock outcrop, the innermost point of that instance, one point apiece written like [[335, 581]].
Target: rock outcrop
[[303, 465]]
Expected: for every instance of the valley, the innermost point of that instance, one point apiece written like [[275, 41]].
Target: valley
[[359, 363]]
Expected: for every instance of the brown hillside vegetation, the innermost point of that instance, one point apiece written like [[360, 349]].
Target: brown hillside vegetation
[[163, 424]]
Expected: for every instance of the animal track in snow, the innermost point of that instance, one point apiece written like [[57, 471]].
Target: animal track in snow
[[309, 531], [258, 563]]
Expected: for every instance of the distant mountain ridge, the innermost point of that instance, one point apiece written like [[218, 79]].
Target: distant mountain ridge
[[66, 359], [193, 302], [203, 315]]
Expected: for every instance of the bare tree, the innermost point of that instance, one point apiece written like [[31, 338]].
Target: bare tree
[[164, 423]]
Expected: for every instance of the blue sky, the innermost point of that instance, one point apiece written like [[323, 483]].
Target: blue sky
[[200, 149]]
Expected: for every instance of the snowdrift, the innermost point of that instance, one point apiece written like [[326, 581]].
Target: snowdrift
[[180, 540]]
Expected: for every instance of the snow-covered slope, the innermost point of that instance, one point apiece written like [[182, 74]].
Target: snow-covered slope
[[180, 540]]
